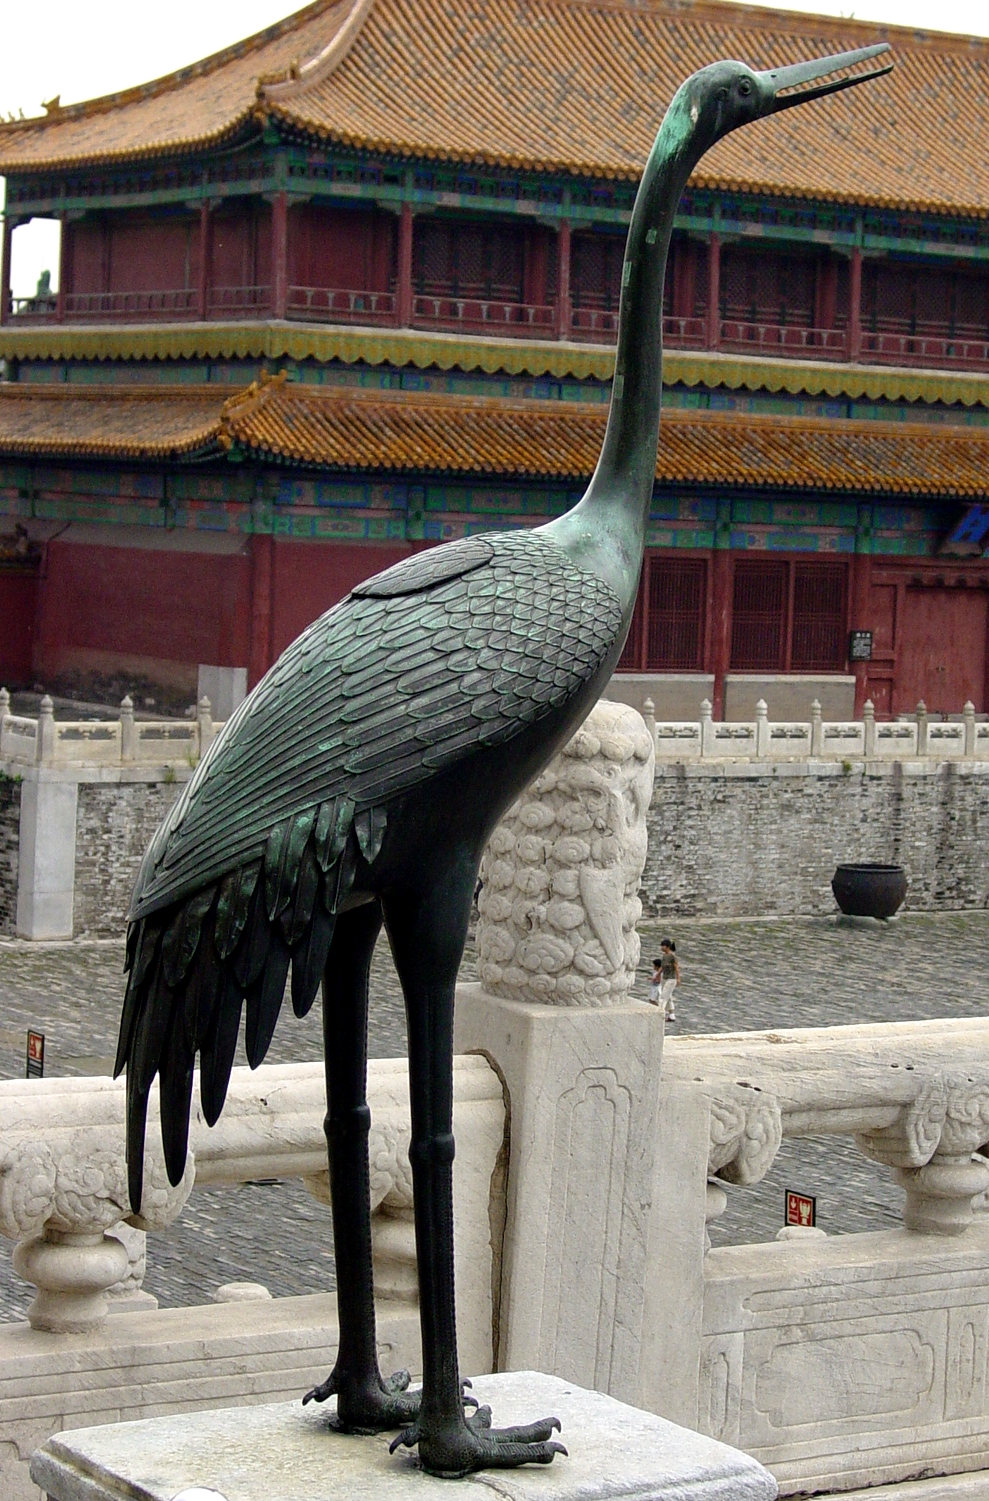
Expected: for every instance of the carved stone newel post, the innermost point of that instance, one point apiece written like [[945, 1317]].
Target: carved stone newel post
[[557, 953]]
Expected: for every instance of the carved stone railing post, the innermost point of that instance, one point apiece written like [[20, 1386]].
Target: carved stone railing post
[[869, 727], [128, 735], [707, 728], [931, 1149], [923, 725], [44, 745], [649, 716], [63, 1189], [204, 722], [557, 953], [4, 711], [761, 729], [816, 729], [968, 715]]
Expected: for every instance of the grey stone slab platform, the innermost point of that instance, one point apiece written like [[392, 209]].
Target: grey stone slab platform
[[285, 1452]]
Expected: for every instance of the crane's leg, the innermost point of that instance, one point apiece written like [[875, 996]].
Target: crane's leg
[[427, 929], [366, 1403]]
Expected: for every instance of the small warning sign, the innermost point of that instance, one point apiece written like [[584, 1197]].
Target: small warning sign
[[35, 1055], [801, 1209]]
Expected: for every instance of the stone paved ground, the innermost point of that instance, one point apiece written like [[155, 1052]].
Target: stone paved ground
[[737, 976]]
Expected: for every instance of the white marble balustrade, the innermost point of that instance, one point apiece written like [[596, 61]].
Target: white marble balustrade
[[838, 1361], [763, 739], [47, 741]]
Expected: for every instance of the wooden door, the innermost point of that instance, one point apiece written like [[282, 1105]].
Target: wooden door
[[941, 650]]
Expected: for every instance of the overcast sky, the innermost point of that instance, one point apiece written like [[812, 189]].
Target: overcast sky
[[80, 50]]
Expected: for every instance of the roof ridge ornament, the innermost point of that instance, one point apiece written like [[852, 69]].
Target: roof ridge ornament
[[301, 76]]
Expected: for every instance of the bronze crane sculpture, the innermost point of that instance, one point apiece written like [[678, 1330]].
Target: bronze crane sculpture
[[358, 784]]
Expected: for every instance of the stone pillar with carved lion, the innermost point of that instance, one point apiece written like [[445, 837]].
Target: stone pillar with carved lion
[[580, 1058]]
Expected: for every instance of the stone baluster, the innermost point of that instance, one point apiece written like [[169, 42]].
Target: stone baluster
[[922, 726], [968, 714], [4, 711], [932, 1151], [707, 728], [128, 733], [63, 1192], [816, 729], [762, 729], [204, 723], [746, 1129], [649, 715], [44, 746], [869, 726]]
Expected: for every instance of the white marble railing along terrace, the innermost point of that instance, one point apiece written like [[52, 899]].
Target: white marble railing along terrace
[[63, 1193], [47, 741], [764, 739]]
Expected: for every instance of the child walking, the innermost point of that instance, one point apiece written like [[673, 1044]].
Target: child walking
[[665, 979]]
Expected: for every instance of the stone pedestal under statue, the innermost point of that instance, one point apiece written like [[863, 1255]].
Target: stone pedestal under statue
[[285, 1452]]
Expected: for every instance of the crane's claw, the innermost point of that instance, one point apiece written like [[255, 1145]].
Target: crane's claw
[[456, 1451], [373, 1406]]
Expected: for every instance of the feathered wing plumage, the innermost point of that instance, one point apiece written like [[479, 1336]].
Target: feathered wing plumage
[[449, 652]]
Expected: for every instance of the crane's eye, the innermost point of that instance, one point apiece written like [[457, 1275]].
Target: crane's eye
[[744, 86]]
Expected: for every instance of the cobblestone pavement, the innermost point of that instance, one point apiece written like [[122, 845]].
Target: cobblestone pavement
[[737, 976]]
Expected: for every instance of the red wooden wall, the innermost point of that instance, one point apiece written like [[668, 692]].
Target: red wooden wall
[[18, 602], [346, 249], [132, 253]]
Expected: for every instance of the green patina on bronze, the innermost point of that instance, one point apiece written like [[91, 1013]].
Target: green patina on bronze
[[359, 783]]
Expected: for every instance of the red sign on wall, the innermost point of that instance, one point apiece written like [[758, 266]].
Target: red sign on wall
[[35, 1055], [801, 1209]]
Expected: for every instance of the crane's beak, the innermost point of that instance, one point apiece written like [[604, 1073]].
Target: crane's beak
[[775, 84]]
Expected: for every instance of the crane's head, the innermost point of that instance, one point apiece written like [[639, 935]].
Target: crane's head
[[725, 95]]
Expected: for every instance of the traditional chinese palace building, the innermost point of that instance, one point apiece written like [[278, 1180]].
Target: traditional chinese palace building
[[350, 288]]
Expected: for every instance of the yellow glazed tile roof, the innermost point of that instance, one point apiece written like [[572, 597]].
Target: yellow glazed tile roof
[[414, 432], [107, 422], [574, 85], [349, 429], [422, 350]]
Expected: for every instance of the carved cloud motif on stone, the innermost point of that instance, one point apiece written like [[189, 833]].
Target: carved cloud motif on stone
[[560, 876], [745, 1134], [75, 1183], [948, 1116]]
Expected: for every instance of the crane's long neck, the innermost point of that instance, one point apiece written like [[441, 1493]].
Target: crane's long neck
[[608, 527]]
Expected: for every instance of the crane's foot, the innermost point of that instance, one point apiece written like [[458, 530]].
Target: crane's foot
[[374, 1405], [454, 1449]]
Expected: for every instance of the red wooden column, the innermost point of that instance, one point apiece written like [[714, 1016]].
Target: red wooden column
[[404, 298], [564, 305], [5, 308], [719, 641], [63, 269], [859, 612], [713, 291], [205, 254], [279, 254], [262, 603], [855, 305]]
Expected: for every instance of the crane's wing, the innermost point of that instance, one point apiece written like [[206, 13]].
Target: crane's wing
[[446, 653]]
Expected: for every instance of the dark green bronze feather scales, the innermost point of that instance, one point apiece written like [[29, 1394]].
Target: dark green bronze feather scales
[[447, 652]]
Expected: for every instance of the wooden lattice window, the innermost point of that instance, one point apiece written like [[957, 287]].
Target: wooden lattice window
[[818, 633], [469, 260], [667, 633], [675, 627], [758, 627]]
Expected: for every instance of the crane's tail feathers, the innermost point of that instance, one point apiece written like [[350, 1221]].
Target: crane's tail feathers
[[191, 967], [309, 959], [177, 1068], [264, 1000], [217, 1054], [137, 1115]]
